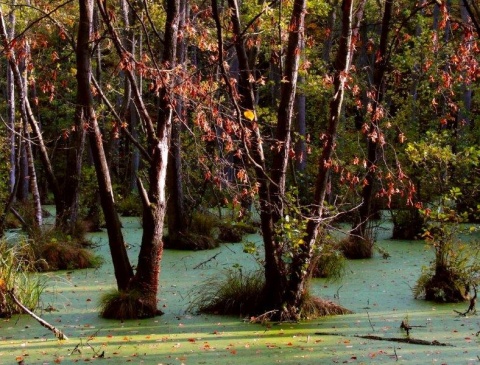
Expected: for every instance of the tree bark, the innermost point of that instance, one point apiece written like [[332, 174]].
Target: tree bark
[[145, 280], [154, 200], [177, 214]]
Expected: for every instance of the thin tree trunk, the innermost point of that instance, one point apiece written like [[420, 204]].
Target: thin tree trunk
[[11, 106], [32, 175], [29, 158], [74, 160], [374, 133], [177, 215], [54, 187]]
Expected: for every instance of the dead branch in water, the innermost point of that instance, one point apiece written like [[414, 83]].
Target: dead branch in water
[[413, 341], [58, 334], [206, 261]]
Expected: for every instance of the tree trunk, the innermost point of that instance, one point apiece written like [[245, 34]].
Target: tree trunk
[[374, 133], [74, 157], [32, 175], [123, 269], [11, 108], [32, 182], [145, 280], [297, 283], [177, 214], [154, 201], [271, 190]]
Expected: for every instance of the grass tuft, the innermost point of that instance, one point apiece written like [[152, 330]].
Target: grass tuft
[[313, 307], [234, 293], [16, 266]]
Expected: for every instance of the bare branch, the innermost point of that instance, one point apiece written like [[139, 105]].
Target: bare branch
[[132, 139]]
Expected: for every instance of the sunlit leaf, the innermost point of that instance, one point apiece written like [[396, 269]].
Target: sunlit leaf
[[249, 114]]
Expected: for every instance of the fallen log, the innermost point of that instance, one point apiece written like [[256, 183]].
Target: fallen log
[[413, 341], [58, 334]]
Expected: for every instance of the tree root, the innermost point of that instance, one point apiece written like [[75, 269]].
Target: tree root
[[58, 334], [413, 341], [471, 308]]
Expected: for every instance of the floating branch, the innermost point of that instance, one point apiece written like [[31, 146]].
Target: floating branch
[[413, 341], [206, 261], [58, 334]]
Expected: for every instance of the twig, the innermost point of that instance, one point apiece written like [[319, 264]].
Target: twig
[[58, 334], [337, 296], [18, 216], [76, 349], [369, 321], [395, 352], [471, 307], [262, 318], [206, 261]]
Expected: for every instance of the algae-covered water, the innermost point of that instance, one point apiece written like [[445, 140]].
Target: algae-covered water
[[377, 290]]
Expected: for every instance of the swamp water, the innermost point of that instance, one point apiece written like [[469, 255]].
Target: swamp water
[[377, 290]]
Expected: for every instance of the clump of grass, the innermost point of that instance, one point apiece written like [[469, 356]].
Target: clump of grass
[[328, 260], [129, 304], [454, 271], [234, 293], [190, 241], [64, 256], [204, 224], [234, 231], [201, 234], [56, 250], [313, 307], [243, 294], [354, 247], [17, 263]]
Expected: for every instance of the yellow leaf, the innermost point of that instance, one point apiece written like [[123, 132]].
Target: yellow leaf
[[249, 114]]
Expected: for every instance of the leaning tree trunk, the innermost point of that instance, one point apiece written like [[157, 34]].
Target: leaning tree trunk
[[123, 269], [29, 158], [297, 283]]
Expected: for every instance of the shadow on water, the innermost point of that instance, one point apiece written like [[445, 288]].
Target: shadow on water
[[377, 290]]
